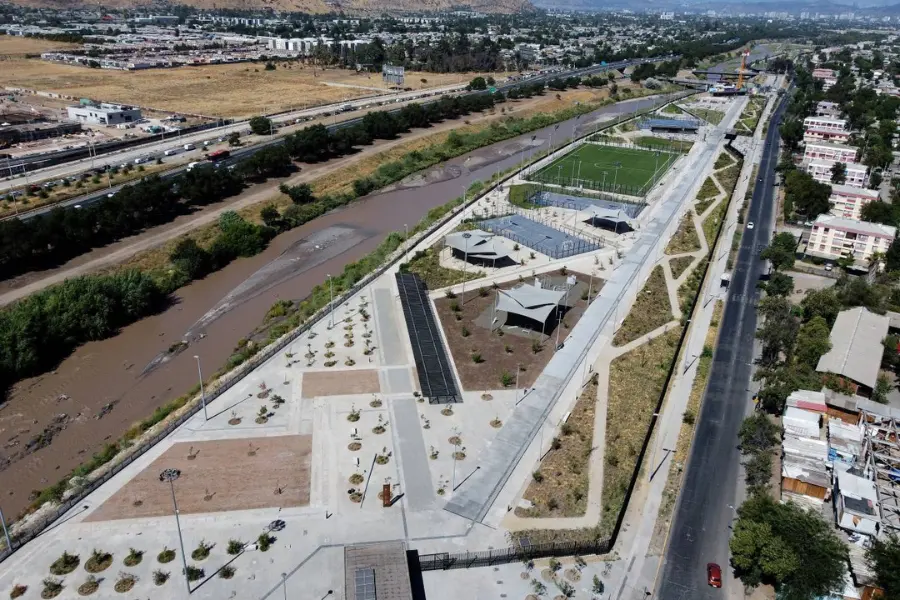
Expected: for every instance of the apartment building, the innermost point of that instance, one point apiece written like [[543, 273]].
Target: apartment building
[[826, 151], [827, 129], [828, 109], [848, 201], [826, 76], [833, 237], [821, 172]]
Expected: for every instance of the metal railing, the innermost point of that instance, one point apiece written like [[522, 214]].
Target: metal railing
[[443, 561]]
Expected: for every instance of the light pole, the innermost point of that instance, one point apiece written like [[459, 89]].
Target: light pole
[[202, 392], [558, 173], [170, 475], [617, 165], [517, 382], [331, 303], [284, 584], [5, 532]]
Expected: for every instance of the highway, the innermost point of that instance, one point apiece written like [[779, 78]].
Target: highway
[[241, 153], [712, 482]]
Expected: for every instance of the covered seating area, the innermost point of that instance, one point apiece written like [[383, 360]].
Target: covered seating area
[[478, 247]]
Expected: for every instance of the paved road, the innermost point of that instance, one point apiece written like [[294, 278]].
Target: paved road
[[700, 531]]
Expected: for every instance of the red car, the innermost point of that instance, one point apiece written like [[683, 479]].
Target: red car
[[714, 575]]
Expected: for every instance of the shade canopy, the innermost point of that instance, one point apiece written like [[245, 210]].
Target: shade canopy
[[476, 244], [529, 301]]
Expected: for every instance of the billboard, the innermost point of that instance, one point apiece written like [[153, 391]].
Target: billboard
[[392, 75]]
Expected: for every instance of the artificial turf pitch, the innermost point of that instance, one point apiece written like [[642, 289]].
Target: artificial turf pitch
[[585, 167]]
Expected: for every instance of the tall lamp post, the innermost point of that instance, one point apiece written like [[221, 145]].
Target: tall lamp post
[[170, 475], [202, 392], [9, 546], [331, 304]]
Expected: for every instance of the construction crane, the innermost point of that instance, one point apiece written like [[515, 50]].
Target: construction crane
[[740, 81]]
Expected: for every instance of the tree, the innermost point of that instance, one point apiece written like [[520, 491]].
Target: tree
[[270, 216], [778, 331], [892, 256], [791, 133], [882, 389], [758, 433], [191, 259], [838, 172], [780, 284], [784, 545], [234, 139], [813, 341], [880, 212], [299, 194], [781, 252], [808, 196], [883, 556], [875, 180], [261, 126], [478, 83], [821, 303]]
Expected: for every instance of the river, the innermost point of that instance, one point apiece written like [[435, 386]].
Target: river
[[100, 388]]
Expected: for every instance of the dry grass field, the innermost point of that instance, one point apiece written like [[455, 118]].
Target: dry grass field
[[340, 383], [14, 45], [236, 90], [217, 476]]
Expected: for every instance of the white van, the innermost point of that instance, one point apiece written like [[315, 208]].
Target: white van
[[192, 165], [190, 147], [171, 152]]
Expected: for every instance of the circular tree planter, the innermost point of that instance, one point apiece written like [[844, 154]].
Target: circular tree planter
[[356, 479], [376, 403], [99, 561], [52, 588], [447, 412], [18, 591], [548, 575], [262, 420], [459, 455], [166, 556], [234, 421], [382, 459], [454, 440], [65, 564], [496, 423], [355, 497], [134, 558], [378, 429], [354, 446], [524, 575], [88, 587], [125, 583], [486, 396], [573, 575]]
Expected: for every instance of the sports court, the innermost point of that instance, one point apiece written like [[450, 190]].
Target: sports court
[[548, 198], [537, 236], [618, 169]]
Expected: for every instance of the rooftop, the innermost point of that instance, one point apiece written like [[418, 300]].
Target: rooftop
[[856, 346], [377, 572], [849, 190], [853, 225], [529, 301]]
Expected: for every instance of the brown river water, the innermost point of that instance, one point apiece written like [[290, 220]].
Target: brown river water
[[100, 388]]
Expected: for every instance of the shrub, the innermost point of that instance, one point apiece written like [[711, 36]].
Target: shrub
[[476, 358], [538, 476], [536, 346], [52, 587], [160, 576], [166, 556], [98, 561], [227, 572], [201, 552], [134, 557], [194, 573], [464, 332], [264, 542], [506, 379], [688, 417], [235, 547], [18, 591], [65, 564]]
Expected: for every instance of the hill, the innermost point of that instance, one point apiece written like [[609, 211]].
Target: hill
[[354, 7]]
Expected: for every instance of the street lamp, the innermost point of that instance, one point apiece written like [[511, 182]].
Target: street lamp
[[170, 475], [284, 584], [331, 304], [5, 532], [202, 393]]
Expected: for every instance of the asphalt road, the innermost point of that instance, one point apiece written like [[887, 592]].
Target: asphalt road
[[701, 527], [238, 154]]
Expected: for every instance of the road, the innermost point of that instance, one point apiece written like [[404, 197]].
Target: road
[[241, 153], [701, 526], [289, 118]]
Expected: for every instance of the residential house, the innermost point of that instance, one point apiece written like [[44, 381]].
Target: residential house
[[856, 348], [856, 504]]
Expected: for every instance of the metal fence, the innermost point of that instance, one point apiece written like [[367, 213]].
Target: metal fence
[[443, 561], [611, 187]]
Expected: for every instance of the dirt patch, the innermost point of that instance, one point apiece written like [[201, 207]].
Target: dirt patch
[[340, 383], [14, 45], [486, 360], [680, 265], [222, 476], [559, 487], [651, 310]]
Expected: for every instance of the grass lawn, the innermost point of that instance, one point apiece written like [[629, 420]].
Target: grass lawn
[[657, 143], [709, 115], [671, 109], [636, 380], [610, 168], [707, 190], [686, 433], [750, 117], [559, 487], [712, 220], [426, 264], [723, 160], [651, 310], [685, 239], [688, 290], [519, 193], [679, 265]]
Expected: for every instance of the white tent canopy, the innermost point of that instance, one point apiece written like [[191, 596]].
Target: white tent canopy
[[476, 244], [529, 301], [609, 214]]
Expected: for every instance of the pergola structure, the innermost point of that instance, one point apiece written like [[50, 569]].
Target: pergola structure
[[615, 216], [530, 301], [881, 456], [476, 245]]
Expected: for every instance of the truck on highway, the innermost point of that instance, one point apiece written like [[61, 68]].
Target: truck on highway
[[218, 155], [189, 147]]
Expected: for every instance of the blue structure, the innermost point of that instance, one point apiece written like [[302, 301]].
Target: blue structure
[[672, 125], [537, 236], [547, 198]]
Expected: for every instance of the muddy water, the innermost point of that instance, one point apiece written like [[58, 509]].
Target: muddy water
[[100, 388]]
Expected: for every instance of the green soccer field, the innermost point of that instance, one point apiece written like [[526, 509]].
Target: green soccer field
[[608, 168]]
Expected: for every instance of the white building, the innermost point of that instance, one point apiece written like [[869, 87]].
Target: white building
[[826, 151], [667, 16], [104, 114], [821, 172], [825, 129], [847, 201], [856, 504], [828, 109], [833, 237]]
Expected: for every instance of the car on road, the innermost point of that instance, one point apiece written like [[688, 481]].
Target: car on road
[[714, 575], [750, 225], [171, 152]]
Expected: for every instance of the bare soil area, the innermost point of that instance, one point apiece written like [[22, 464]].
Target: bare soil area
[[340, 383], [483, 357], [223, 475]]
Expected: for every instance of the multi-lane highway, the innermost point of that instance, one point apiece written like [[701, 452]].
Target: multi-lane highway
[[702, 525], [241, 153]]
